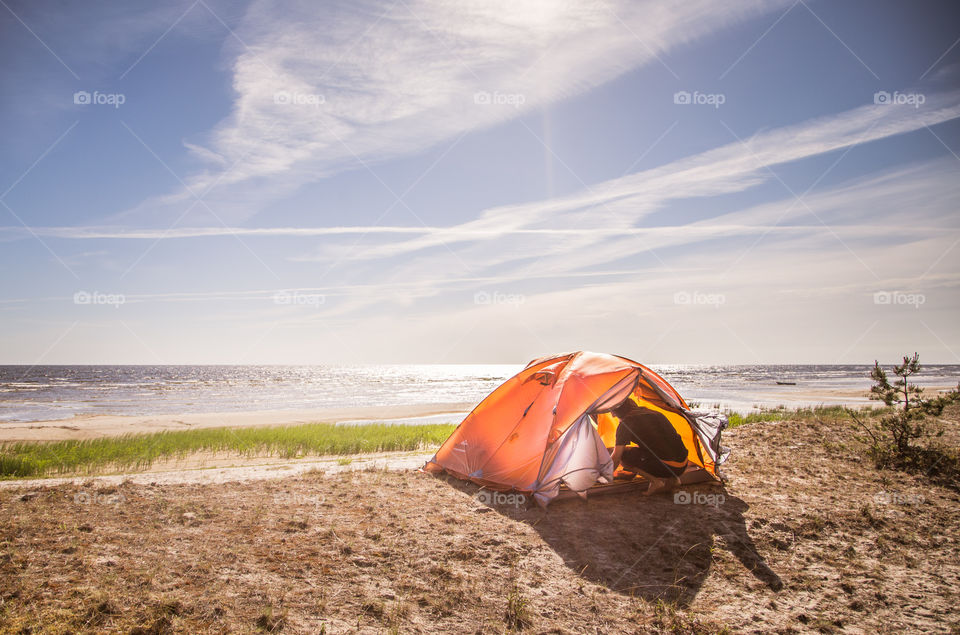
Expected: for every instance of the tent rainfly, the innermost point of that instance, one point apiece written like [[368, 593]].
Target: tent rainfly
[[551, 425]]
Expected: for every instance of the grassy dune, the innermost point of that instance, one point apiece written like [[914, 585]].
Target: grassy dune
[[826, 413], [139, 451]]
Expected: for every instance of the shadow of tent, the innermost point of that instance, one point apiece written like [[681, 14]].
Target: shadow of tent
[[652, 547], [649, 547]]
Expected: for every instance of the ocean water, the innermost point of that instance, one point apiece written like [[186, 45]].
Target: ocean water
[[59, 392], [36, 393]]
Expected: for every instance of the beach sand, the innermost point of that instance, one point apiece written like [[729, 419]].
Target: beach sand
[[805, 537], [795, 396], [98, 426]]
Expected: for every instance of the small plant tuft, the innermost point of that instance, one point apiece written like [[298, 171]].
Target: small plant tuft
[[271, 622], [517, 616]]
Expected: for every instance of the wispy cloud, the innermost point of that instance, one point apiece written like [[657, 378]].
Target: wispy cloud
[[620, 205], [120, 233], [695, 231], [848, 228], [321, 89]]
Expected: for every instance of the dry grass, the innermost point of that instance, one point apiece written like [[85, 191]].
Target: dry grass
[[808, 538]]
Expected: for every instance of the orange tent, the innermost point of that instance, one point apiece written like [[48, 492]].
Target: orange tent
[[550, 425]]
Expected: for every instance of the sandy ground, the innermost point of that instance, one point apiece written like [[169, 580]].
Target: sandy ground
[[801, 396], [96, 426], [200, 468], [806, 537]]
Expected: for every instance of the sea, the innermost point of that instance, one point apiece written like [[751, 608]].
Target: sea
[[39, 393]]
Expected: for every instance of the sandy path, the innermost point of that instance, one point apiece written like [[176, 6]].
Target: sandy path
[[97, 426], [193, 470]]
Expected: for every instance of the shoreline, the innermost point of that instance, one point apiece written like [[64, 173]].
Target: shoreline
[[800, 396], [86, 427]]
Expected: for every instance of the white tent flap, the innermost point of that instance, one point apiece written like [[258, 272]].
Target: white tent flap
[[580, 461]]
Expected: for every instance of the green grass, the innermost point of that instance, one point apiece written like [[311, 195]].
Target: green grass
[[781, 413], [139, 451], [735, 419]]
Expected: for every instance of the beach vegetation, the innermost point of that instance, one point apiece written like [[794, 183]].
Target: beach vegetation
[[781, 413], [906, 436], [139, 451]]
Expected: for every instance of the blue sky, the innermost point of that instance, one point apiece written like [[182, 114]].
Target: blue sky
[[406, 181]]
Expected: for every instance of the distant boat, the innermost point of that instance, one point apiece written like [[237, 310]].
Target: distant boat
[[786, 383]]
